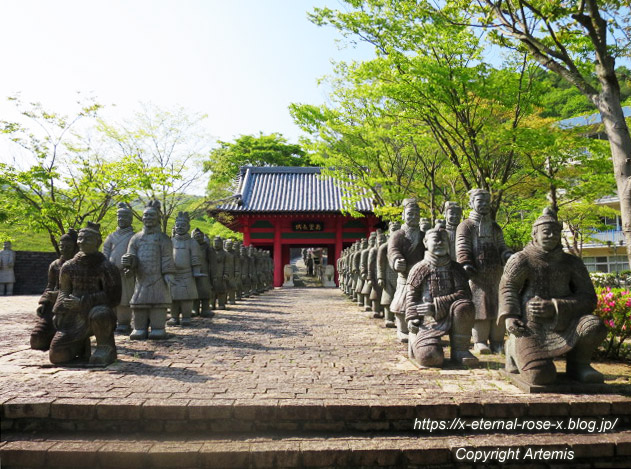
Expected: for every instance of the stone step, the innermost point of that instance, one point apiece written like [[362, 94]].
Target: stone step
[[209, 417], [346, 450]]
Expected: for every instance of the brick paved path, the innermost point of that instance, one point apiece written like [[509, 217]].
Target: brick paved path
[[311, 345]]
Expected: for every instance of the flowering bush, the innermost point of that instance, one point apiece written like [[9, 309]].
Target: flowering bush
[[614, 308], [602, 279]]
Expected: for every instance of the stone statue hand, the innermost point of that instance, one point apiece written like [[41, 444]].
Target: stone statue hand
[[414, 325], [363, 276], [381, 282], [169, 279], [71, 302], [540, 308], [516, 327], [40, 311], [425, 309], [400, 265], [470, 270]]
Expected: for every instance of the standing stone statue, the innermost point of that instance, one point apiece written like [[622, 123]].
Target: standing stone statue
[[387, 278], [546, 302], [149, 259], [438, 302], [44, 330], [376, 289], [89, 291], [481, 251], [7, 276], [219, 273], [452, 212], [252, 268], [114, 247], [365, 272], [201, 306], [246, 279], [187, 258], [238, 265], [357, 262], [405, 248], [230, 268]]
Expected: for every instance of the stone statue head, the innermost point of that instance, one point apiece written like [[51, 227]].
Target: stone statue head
[[218, 243], [364, 243], [229, 245], [68, 244], [372, 239], [151, 214], [250, 250], [546, 230], [182, 223], [394, 226], [7, 245], [124, 215], [381, 237], [411, 212], [89, 238], [480, 201], [452, 211], [425, 224], [436, 241], [198, 235], [243, 250]]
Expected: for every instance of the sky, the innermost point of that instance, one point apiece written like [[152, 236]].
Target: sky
[[241, 62]]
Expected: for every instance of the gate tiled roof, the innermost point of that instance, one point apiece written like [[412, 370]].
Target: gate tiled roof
[[289, 189]]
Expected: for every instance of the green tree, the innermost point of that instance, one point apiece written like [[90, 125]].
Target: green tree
[[67, 183], [223, 162]]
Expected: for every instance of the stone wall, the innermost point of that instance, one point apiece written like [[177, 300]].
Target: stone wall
[[31, 271]]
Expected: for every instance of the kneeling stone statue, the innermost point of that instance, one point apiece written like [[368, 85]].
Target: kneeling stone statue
[[438, 302], [546, 301]]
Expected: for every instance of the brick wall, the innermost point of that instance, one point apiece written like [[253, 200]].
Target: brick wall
[[31, 271]]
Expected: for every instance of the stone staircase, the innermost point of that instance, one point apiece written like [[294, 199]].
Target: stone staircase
[[62, 433]]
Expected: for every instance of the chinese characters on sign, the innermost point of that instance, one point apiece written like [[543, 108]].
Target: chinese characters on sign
[[308, 226]]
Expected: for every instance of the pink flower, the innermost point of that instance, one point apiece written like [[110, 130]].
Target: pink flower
[[608, 289], [628, 303], [625, 293], [606, 309], [624, 327], [611, 323], [612, 303]]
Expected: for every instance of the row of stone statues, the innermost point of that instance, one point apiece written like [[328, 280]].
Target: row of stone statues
[[137, 279], [7, 275], [459, 279]]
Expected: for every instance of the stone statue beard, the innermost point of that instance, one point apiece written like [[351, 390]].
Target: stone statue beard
[[151, 229], [484, 222], [436, 260], [413, 234]]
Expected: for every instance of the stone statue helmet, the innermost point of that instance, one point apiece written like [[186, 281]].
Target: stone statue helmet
[[411, 212], [546, 231], [436, 241], [89, 238], [68, 244], [480, 201], [198, 235], [452, 212], [182, 223], [124, 215], [151, 214]]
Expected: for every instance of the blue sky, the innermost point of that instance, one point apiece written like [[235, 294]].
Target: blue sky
[[242, 62]]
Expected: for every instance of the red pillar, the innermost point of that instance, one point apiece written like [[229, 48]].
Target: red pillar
[[246, 230], [278, 255], [338, 244]]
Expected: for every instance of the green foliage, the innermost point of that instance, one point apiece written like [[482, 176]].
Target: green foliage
[[614, 308], [223, 163]]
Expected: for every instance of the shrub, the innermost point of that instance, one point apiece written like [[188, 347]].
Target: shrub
[[614, 308], [602, 279]]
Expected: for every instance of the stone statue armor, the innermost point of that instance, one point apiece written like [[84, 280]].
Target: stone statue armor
[[481, 251], [453, 215], [537, 275], [238, 280], [405, 247], [7, 274], [375, 291], [364, 272], [114, 247], [231, 272], [387, 278], [442, 283], [252, 269], [187, 259], [44, 330], [201, 306], [357, 259], [89, 291]]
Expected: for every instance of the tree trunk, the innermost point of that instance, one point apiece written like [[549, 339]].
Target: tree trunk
[[610, 108]]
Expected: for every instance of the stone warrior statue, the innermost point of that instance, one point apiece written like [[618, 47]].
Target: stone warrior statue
[[246, 278], [452, 212], [187, 258], [219, 275], [405, 248], [481, 251], [114, 247], [231, 272], [438, 302], [44, 330], [7, 276], [201, 306], [364, 272], [387, 278], [546, 301], [89, 291], [150, 259], [376, 289]]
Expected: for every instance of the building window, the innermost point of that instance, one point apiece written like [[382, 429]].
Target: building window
[[607, 264]]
